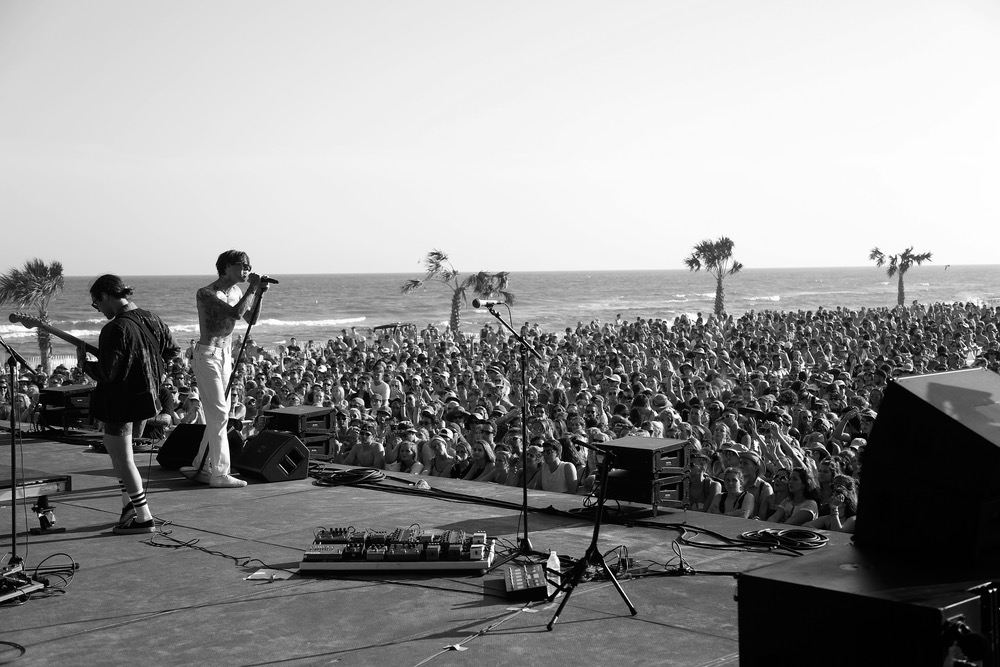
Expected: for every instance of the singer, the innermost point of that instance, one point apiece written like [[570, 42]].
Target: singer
[[220, 305]]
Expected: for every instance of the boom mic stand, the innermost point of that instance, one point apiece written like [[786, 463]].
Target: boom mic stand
[[593, 555], [523, 543], [14, 582]]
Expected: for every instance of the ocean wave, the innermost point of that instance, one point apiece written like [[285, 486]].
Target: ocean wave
[[21, 332], [311, 323], [763, 298]]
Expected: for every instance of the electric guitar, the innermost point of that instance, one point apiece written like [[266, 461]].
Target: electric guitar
[[33, 322]]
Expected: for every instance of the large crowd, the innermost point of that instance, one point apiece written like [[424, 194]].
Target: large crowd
[[775, 406]]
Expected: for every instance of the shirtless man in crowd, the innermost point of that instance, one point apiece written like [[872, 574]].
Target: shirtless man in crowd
[[220, 305]]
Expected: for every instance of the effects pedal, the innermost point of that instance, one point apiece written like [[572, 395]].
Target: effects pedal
[[528, 583]]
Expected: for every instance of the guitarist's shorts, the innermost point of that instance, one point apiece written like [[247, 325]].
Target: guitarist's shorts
[[122, 429]]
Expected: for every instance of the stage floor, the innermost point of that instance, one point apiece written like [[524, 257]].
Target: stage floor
[[185, 597]]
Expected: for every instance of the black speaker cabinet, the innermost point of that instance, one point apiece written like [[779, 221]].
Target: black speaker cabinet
[[181, 446], [845, 606], [300, 419], [69, 396], [274, 456], [652, 471], [66, 407], [930, 475]]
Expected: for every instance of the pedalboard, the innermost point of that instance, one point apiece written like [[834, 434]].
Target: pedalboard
[[345, 549]]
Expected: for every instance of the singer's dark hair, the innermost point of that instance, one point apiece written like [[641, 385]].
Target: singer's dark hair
[[229, 258], [112, 285]]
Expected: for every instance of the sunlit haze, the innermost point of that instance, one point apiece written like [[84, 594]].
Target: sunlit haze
[[143, 138]]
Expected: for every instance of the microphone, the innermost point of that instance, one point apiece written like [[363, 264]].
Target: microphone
[[483, 303], [267, 280]]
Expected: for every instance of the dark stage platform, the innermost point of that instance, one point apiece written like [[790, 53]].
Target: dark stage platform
[[188, 597]]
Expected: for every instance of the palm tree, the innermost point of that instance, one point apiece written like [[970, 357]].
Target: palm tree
[[482, 284], [33, 287], [898, 265], [717, 258]]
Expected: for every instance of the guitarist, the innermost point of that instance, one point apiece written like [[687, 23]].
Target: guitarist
[[220, 304], [131, 351]]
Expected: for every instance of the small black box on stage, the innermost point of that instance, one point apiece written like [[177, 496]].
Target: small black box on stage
[[526, 583]]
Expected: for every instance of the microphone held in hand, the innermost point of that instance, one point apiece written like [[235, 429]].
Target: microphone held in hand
[[483, 303], [267, 280]]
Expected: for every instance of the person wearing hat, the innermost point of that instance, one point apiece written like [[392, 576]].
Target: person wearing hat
[[132, 351], [368, 453], [752, 465], [729, 455]]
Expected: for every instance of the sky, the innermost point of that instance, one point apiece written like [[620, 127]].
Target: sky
[[335, 136]]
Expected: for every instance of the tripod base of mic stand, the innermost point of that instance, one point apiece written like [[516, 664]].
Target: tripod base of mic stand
[[524, 550], [592, 557]]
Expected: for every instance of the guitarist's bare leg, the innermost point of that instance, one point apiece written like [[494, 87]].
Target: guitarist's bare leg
[[118, 442]]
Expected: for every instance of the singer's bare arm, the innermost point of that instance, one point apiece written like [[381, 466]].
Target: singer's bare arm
[[219, 308]]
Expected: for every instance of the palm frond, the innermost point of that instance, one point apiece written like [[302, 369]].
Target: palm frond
[[411, 285], [435, 263], [34, 285]]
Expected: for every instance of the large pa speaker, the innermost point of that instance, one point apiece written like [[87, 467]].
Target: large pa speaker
[[930, 475], [181, 446], [274, 456]]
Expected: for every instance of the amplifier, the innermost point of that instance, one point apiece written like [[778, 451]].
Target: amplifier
[[319, 444], [65, 419], [300, 418], [651, 455], [653, 471], [69, 396], [661, 490]]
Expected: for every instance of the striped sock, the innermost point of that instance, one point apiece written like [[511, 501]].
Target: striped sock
[[138, 501], [125, 496]]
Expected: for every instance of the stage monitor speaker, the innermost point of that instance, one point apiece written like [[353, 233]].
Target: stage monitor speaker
[[916, 616], [930, 474], [181, 446], [274, 456]]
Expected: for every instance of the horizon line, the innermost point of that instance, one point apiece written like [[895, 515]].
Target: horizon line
[[554, 271]]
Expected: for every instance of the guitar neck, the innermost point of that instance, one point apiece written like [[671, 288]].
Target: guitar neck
[[31, 322], [69, 338]]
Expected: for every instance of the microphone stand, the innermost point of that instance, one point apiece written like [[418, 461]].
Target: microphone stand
[[11, 565], [523, 543], [593, 555]]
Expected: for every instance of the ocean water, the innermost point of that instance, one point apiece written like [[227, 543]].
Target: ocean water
[[319, 307]]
